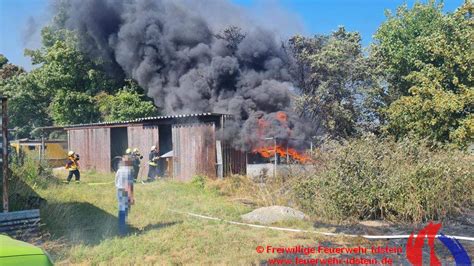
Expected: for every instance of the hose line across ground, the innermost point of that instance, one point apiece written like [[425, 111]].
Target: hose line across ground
[[311, 231]]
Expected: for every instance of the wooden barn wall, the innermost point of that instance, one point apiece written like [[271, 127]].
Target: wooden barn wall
[[143, 137], [234, 161], [93, 146], [194, 148]]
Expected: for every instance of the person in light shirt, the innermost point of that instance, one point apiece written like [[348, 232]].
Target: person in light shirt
[[125, 197]]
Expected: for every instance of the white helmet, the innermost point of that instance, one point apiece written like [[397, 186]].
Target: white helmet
[[128, 151], [153, 148], [70, 153]]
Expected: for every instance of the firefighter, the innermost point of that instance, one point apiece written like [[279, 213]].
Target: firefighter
[[136, 157], [73, 166], [153, 158]]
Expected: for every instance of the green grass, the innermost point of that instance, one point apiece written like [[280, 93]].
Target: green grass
[[82, 222]]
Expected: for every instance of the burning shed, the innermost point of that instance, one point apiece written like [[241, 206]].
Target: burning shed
[[188, 144]]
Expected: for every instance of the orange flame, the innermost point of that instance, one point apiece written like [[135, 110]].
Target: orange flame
[[268, 151]]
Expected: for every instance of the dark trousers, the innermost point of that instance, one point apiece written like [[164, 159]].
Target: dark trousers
[[152, 173], [75, 173], [136, 170], [122, 216]]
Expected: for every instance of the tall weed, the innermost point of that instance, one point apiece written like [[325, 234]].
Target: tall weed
[[373, 178], [26, 175]]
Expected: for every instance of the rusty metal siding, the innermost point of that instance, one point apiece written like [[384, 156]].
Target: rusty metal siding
[[143, 137], [93, 145], [194, 148], [234, 161]]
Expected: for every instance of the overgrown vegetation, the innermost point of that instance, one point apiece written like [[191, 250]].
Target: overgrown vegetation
[[81, 221], [26, 176], [372, 178]]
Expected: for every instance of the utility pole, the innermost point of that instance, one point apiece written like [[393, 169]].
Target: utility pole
[[42, 149], [275, 155], [275, 167], [4, 147]]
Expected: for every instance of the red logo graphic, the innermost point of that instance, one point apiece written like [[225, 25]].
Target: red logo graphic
[[415, 245]]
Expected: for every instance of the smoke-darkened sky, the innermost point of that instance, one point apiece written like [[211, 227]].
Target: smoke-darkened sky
[[307, 16]]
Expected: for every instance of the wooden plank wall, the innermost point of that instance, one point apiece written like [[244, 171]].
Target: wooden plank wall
[[93, 146], [143, 137], [194, 148]]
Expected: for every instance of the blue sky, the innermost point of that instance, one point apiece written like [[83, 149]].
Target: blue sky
[[317, 16]]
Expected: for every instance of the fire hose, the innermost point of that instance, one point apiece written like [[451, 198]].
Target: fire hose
[[311, 231]]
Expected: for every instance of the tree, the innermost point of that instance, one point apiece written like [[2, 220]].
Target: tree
[[329, 71], [68, 84], [232, 36], [73, 108], [27, 103], [8, 70], [427, 60], [3, 60], [63, 66], [125, 105], [60, 90]]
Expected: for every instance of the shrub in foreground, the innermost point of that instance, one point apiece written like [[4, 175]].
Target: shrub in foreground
[[27, 174], [372, 178]]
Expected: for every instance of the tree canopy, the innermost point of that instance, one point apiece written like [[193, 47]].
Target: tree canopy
[[126, 104], [329, 70], [62, 89], [426, 58]]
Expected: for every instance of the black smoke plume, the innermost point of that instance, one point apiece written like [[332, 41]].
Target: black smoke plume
[[188, 64]]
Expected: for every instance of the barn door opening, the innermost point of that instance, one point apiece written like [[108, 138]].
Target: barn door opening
[[118, 144], [165, 143], [165, 164]]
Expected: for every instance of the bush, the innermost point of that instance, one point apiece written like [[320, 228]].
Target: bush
[[372, 178], [26, 174], [199, 181], [31, 171]]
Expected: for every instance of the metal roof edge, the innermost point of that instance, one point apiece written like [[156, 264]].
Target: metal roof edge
[[144, 119]]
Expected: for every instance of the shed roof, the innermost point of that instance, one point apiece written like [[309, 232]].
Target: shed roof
[[147, 119]]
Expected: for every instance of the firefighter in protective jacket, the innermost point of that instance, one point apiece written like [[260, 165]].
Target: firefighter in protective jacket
[[153, 158], [136, 157], [73, 166]]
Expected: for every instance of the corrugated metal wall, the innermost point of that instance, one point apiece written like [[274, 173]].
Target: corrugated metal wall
[[143, 137], [194, 148], [93, 145], [234, 161]]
